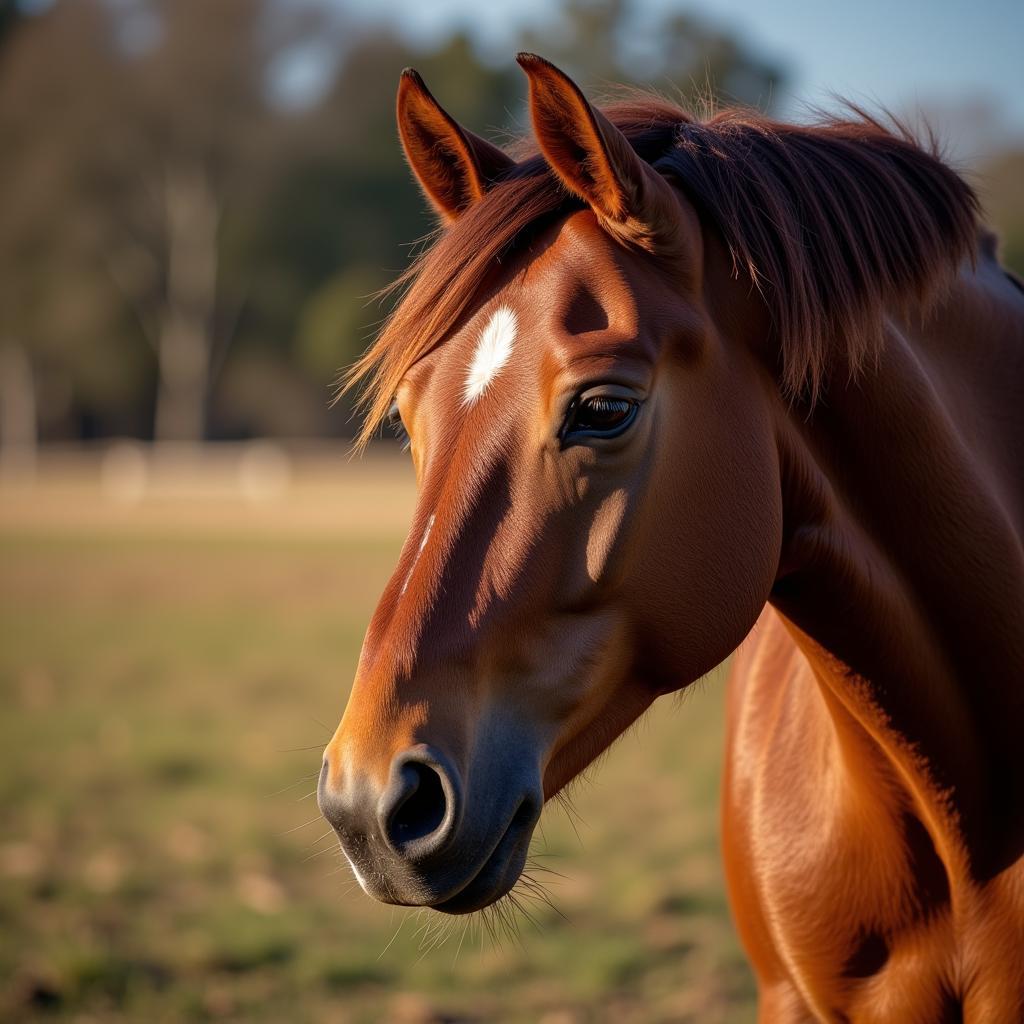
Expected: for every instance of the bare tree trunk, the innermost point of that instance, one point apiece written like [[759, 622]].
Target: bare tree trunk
[[18, 425], [184, 334]]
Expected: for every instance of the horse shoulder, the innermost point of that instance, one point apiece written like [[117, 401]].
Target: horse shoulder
[[766, 667], [820, 875]]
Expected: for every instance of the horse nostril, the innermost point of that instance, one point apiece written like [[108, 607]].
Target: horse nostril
[[422, 806], [419, 811]]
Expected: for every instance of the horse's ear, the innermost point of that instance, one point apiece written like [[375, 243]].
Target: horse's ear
[[595, 161], [454, 166]]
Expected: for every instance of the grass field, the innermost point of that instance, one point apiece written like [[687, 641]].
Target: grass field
[[170, 669]]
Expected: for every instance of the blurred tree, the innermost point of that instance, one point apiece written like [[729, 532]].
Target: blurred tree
[[194, 131], [43, 290], [1003, 200], [10, 15], [188, 249], [607, 42], [18, 433], [137, 124]]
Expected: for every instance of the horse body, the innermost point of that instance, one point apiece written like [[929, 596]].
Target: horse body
[[667, 384], [873, 811]]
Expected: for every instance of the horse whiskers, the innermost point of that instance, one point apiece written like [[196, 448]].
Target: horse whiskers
[[514, 899], [297, 782], [317, 842], [443, 934], [504, 915], [532, 889], [424, 922], [320, 853], [391, 941], [326, 728], [462, 939], [435, 934], [531, 886], [531, 863], [295, 828], [565, 800]]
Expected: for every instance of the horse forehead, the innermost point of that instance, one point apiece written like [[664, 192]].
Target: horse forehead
[[578, 251], [575, 280], [571, 289], [582, 282]]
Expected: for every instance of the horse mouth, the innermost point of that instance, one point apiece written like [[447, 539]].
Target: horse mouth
[[501, 869]]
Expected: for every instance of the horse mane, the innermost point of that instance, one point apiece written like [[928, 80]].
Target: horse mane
[[835, 223]]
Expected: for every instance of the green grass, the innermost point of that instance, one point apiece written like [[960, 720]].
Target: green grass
[[167, 690]]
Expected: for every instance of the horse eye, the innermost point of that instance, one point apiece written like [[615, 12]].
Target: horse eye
[[394, 421], [599, 416]]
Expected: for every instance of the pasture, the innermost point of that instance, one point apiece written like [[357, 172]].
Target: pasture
[[172, 661]]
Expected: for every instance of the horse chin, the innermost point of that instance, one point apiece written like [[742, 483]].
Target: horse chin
[[500, 871]]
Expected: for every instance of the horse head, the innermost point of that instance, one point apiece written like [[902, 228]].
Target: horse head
[[599, 510]]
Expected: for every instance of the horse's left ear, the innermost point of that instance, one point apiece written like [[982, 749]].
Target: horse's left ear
[[454, 166], [596, 162]]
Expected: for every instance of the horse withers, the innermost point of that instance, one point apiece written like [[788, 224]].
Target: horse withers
[[674, 388]]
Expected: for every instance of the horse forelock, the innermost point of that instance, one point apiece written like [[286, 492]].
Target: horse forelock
[[834, 223]]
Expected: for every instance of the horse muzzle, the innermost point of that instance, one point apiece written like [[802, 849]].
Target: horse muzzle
[[430, 838]]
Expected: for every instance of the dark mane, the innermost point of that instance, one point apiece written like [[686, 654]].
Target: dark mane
[[834, 223]]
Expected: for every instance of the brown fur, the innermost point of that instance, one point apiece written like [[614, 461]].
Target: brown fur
[[859, 541]]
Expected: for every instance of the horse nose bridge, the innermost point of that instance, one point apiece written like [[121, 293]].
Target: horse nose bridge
[[457, 546], [448, 626], [471, 497]]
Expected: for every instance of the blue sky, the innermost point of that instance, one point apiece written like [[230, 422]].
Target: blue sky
[[962, 62]]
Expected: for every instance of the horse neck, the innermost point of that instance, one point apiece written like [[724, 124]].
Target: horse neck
[[902, 576]]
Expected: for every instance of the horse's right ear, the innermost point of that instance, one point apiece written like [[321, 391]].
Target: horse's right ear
[[453, 166], [596, 162]]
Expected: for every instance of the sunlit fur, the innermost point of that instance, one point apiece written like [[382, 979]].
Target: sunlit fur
[[824, 476]]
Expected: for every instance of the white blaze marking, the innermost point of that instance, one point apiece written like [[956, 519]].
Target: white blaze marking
[[423, 544], [492, 352]]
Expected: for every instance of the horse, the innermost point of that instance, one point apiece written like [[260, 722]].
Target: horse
[[678, 387]]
